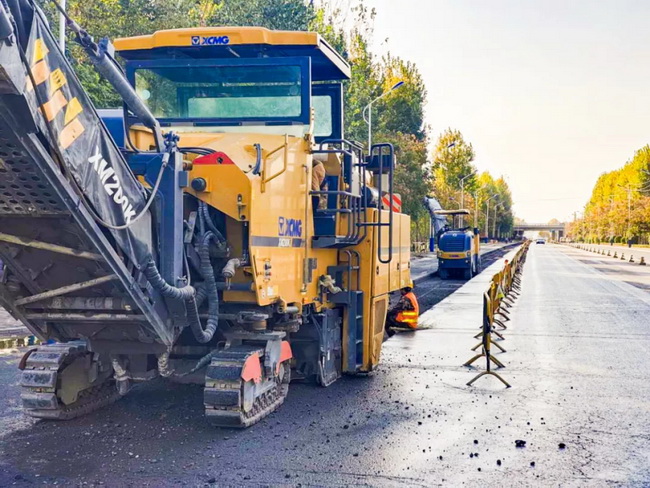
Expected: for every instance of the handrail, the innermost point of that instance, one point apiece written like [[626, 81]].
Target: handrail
[[391, 153], [356, 203], [284, 146]]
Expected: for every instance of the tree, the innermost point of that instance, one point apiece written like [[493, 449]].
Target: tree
[[452, 161], [619, 207]]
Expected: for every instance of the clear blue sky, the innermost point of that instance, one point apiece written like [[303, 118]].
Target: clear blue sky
[[550, 93]]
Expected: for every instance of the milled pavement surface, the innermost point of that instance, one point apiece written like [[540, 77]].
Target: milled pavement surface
[[426, 265], [577, 359]]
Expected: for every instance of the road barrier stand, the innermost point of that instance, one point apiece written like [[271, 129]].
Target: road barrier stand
[[486, 343], [505, 287], [18, 341]]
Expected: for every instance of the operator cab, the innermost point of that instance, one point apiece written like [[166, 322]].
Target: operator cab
[[252, 80], [238, 79]]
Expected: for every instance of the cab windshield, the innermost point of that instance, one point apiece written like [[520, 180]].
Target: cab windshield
[[263, 93]]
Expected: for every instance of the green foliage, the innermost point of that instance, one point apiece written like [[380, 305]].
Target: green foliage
[[410, 179], [619, 206], [456, 184], [272, 14]]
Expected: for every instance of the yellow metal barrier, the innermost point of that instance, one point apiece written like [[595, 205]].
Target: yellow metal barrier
[[15, 342], [504, 289]]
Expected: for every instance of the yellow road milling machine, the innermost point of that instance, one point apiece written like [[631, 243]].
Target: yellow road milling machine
[[217, 229]]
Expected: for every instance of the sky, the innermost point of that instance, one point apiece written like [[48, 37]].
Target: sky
[[550, 93]]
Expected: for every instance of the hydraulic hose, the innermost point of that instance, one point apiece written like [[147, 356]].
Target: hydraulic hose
[[185, 293], [193, 297], [208, 289], [205, 216]]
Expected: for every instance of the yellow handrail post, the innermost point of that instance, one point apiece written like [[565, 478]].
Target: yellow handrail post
[[284, 146]]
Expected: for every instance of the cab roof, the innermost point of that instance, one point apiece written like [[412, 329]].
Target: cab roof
[[235, 42]]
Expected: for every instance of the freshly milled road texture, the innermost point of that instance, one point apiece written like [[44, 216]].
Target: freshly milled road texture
[[577, 358]]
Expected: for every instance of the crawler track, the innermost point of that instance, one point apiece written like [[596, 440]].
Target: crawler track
[[41, 383], [232, 402]]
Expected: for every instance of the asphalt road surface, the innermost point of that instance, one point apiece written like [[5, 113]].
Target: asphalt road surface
[[577, 356]]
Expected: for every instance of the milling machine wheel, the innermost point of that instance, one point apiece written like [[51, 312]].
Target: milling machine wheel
[[467, 274], [238, 393], [64, 381], [443, 274]]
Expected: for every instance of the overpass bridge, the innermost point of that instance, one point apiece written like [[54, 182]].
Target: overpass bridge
[[556, 230]]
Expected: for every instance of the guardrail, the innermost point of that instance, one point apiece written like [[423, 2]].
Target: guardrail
[[499, 297]]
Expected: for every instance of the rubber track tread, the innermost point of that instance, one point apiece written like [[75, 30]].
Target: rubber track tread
[[222, 383], [51, 358]]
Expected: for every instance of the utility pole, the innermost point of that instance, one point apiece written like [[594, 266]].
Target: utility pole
[[494, 224], [475, 210], [487, 215], [62, 27], [629, 210], [628, 188]]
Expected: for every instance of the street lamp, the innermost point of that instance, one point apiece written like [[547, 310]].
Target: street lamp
[[462, 196], [369, 109], [487, 215]]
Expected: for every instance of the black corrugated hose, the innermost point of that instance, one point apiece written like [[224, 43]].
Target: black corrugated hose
[[167, 290], [208, 289], [204, 216], [193, 297]]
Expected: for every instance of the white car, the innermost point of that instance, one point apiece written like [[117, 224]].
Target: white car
[[540, 241]]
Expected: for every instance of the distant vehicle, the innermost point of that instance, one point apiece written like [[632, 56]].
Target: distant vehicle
[[540, 241]]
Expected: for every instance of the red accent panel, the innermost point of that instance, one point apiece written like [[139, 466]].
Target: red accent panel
[[285, 352], [213, 158], [252, 369]]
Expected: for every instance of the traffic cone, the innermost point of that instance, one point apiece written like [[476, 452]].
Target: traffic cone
[[609, 253], [622, 255], [631, 259], [615, 255], [642, 262]]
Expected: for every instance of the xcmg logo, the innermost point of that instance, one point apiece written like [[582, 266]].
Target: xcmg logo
[[210, 40], [289, 227]]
